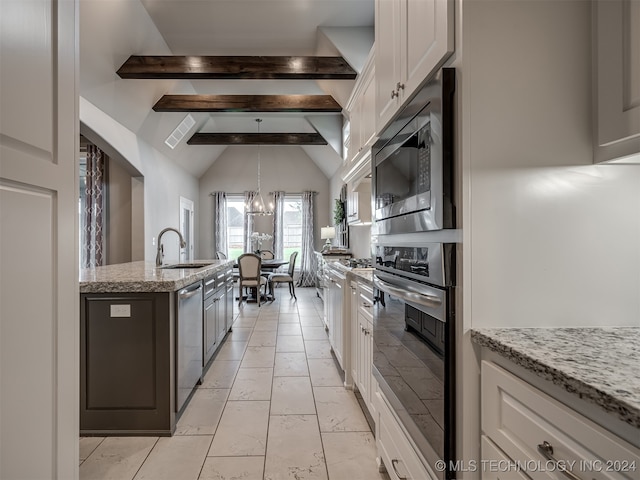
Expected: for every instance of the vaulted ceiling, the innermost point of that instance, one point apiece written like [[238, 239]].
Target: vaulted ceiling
[[112, 31]]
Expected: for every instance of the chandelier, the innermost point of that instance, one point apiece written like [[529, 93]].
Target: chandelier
[[258, 206]]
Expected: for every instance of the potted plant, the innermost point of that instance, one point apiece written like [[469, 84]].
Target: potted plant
[[338, 212]]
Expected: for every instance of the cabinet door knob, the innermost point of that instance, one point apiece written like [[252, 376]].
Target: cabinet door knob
[[399, 86], [394, 94]]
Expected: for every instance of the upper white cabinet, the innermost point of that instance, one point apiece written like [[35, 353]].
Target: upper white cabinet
[[413, 39], [362, 107], [359, 207], [617, 79]]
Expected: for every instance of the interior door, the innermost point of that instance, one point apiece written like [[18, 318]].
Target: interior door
[[39, 141]]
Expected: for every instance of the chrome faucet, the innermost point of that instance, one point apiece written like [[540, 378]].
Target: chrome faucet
[[160, 252]]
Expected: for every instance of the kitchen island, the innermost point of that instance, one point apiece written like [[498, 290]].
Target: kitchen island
[[140, 345]]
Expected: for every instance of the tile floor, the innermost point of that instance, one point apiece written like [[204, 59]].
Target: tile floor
[[271, 406]]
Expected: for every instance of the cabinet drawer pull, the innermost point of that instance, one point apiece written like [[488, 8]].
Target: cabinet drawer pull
[[546, 450], [394, 94], [399, 86], [394, 462]]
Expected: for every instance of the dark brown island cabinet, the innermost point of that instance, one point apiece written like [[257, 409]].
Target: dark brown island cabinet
[[139, 352]]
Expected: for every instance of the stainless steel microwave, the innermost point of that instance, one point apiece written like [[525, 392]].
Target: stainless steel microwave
[[413, 163]]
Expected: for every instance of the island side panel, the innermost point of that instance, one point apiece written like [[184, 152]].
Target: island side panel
[[126, 367]]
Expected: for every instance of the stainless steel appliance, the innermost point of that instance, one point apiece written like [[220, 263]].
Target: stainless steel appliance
[[189, 342], [414, 319], [412, 163], [414, 345]]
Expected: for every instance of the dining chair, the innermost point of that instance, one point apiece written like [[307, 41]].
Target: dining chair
[[249, 275], [284, 277]]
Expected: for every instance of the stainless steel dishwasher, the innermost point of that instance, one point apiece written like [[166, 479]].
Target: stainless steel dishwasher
[[188, 342]]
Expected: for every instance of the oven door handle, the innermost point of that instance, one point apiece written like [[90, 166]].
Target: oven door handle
[[415, 297]]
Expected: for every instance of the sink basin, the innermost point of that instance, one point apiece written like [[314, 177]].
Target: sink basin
[[186, 265]]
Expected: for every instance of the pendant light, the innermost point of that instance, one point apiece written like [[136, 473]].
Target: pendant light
[[259, 207]]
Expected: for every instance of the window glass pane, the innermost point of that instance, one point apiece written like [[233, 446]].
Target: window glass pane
[[235, 225], [292, 225]]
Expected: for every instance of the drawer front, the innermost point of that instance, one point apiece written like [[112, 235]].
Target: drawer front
[[518, 417], [495, 464], [396, 451]]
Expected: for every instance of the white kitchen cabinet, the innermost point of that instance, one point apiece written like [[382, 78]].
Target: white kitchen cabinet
[[616, 84], [364, 344], [396, 450], [522, 422], [339, 335], [362, 107], [355, 329], [359, 206], [495, 462], [413, 39]]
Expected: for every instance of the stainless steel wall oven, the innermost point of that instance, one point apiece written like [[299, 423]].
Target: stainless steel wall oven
[[414, 319], [414, 348]]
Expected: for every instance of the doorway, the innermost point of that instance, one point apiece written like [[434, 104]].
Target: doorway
[[186, 228]]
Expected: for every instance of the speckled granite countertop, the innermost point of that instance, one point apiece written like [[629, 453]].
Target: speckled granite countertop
[[354, 273], [600, 365], [144, 277]]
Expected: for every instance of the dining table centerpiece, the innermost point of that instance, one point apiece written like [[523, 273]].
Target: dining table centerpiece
[[257, 239]]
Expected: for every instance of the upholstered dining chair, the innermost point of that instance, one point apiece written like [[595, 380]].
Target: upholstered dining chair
[[249, 275], [267, 255], [284, 277]]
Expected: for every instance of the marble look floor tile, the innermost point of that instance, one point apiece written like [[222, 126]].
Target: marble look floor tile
[[242, 430], [263, 339], [338, 410], [293, 364], [324, 373], [88, 445], [203, 413], [289, 343], [231, 351], [175, 458], [232, 468], [221, 374], [314, 333], [239, 334], [292, 395], [351, 456], [294, 450], [318, 349], [314, 321], [258, 357], [289, 318], [117, 458], [265, 326], [245, 322], [289, 329], [252, 384]]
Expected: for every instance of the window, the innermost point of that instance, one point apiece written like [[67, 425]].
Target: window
[[292, 225], [235, 225]]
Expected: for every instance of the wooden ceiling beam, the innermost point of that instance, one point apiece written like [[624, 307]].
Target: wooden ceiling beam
[[247, 103], [242, 67], [257, 139]]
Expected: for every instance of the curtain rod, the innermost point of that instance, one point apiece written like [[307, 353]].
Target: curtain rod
[[270, 193]]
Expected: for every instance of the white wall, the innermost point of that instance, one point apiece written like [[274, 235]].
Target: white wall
[[164, 181], [550, 239], [288, 169]]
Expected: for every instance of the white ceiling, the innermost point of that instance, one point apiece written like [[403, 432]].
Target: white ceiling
[[113, 30]]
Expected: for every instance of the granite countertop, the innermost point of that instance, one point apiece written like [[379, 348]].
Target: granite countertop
[[354, 273], [144, 277], [600, 365]]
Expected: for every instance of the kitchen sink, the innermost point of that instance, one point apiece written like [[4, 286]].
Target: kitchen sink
[[186, 265]]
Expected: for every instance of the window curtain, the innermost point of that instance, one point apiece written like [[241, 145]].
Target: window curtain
[[93, 232], [278, 225], [220, 223], [248, 220], [307, 271]]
